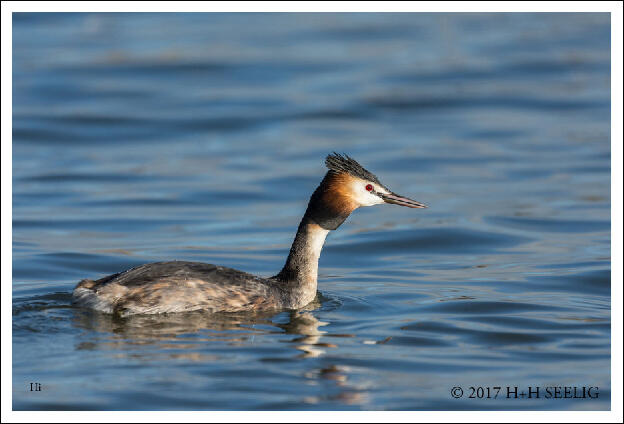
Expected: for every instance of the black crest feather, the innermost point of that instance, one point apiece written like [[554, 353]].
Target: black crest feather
[[344, 163]]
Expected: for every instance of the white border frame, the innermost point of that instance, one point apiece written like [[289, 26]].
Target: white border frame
[[615, 415]]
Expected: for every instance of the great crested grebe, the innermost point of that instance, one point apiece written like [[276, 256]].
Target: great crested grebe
[[180, 286]]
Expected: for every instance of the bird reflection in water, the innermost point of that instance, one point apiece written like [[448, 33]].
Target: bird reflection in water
[[184, 337], [306, 326], [191, 331]]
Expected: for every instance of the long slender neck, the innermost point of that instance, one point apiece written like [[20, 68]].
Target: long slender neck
[[301, 267], [327, 209]]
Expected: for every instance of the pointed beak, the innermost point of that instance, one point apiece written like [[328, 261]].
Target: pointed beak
[[400, 200]]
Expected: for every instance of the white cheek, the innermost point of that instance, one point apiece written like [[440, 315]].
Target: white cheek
[[373, 200], [366, 198]]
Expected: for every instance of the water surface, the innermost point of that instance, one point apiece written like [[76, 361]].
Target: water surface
[[148, 137]]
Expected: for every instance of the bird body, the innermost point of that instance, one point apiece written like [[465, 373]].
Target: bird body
[[180, 286]]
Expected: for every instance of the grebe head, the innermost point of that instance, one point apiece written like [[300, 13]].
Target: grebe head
[[354, 183], [347, 186]]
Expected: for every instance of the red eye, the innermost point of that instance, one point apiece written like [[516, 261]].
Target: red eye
[[369, 187]]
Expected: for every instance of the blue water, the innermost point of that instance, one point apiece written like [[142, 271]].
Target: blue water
[[148, 137]]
